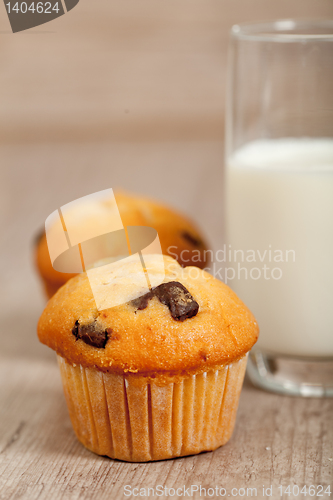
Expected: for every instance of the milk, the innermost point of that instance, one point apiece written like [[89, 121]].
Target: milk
[[280, 200]]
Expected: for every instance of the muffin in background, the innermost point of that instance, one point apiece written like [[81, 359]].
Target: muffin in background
[[179, 237], [157, 377]]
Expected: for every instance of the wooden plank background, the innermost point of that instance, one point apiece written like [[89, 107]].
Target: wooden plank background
[[128, 70], [130, 94]]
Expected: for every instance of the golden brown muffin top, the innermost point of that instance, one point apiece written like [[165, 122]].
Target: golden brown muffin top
[[162, 333], [178, 234]]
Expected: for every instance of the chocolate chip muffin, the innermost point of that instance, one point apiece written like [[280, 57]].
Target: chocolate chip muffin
[[158, 376], [179, 237]]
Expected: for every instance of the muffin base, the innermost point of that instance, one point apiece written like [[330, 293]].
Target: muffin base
[[134, 419]]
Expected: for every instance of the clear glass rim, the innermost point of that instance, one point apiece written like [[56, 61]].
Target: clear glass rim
[[285, 30]]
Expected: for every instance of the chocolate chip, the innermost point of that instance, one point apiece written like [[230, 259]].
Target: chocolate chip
[[178, 299], [197, 242], [142, 302], [175, 296], [91, 334]]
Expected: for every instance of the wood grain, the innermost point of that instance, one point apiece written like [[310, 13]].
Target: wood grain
[[140, 70]]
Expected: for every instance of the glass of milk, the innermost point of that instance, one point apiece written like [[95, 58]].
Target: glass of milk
[[279, 200]]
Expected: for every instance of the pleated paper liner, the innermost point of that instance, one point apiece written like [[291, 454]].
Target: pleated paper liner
[[136, 420]]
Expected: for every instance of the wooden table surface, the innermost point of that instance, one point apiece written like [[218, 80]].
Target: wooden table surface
[[129, 95]]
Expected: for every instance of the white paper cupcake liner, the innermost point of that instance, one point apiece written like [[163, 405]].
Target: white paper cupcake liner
[[131, 418]]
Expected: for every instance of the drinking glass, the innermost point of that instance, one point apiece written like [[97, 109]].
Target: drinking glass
[[279, 177]]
